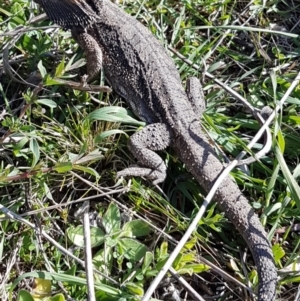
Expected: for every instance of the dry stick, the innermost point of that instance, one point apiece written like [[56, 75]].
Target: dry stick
[[5, 275], [82, 87], [210, 195], [187, 286], [84, 211]]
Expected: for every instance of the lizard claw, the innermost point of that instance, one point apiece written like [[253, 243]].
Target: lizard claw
[[84, 80]]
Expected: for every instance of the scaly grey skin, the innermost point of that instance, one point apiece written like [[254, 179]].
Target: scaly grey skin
[[139, 69]]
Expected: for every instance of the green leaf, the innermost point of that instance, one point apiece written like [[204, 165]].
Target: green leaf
[[42, 288], [47, 191], [163, 249], [272, 208], [71, 66], [62, 167], [113, 114], [137, 228], [271, 183], [148, 260], [278, 252], [42, 69], [185, 271], [34, 147], [47, 102], [191, 243], [111, 242], [196, 268], [291, 182], [60, 69], [95, 155], [104, 260], [87, 170], [75, 234], [135, 289], [132, 249], [64, 278], [5, 12], [112, 219], [24, 296], [58, 297], [106, 134], [176, 264], [281, 141]]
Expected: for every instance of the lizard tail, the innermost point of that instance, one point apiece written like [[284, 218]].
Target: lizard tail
[[200, 159]]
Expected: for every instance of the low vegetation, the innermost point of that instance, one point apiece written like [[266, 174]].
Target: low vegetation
[[60, 147]]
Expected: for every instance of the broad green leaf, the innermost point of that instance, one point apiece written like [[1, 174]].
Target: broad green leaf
[[18, 10], [148, 260], [112, 219], [58, 297], [104, 260], [137, 228], [111, 242], [62, 167], [75, 234], [132, 249], [24, 296], [42, 69], [47, 102], [42, 288]]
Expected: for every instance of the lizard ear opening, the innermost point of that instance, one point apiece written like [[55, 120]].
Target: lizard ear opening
[[69, 13]]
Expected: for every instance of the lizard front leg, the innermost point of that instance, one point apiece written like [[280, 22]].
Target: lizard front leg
[[153, 137], [92, 51]]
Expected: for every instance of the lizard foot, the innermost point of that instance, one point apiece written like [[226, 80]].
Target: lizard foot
[[143, 145], [83, 81], [150, 174]]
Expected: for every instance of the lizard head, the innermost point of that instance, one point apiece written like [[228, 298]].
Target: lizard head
[[70, 13]]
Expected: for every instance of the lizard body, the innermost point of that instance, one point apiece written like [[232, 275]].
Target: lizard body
[[140, 70]]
